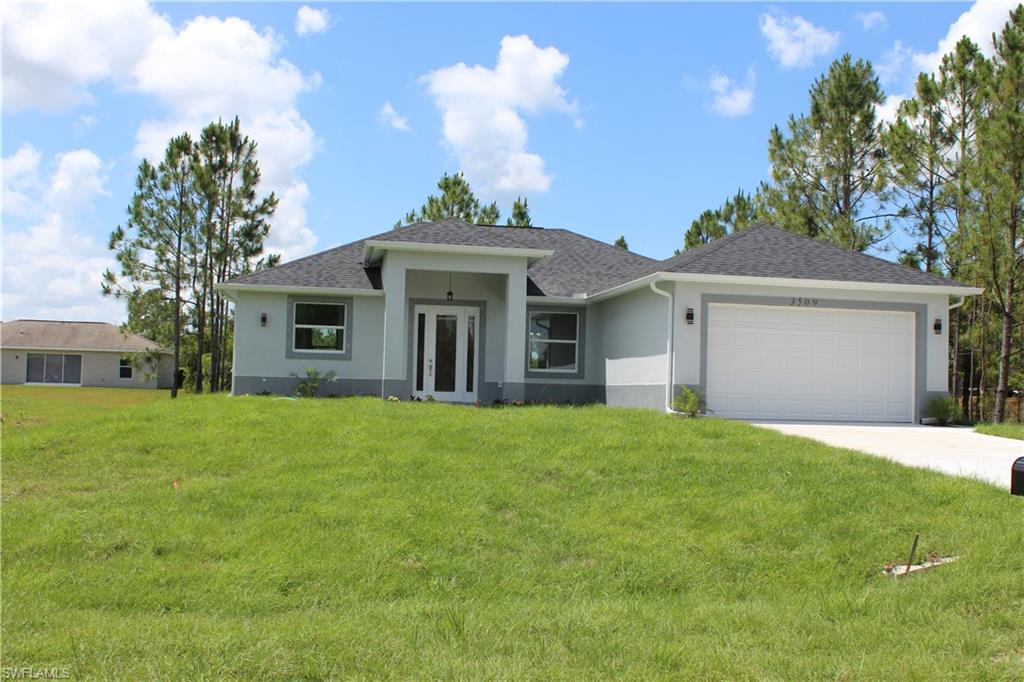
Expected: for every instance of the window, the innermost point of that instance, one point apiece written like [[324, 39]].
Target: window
[[320, 327], [124, 368], [53, 368], [554, 341]]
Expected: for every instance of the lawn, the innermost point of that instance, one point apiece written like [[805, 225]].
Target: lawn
[[1006, 430], [360, 538]]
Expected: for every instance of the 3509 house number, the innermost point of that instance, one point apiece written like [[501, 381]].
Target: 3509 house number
[[803, 302]]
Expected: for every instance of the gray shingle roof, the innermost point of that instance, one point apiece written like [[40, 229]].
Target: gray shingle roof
[[581, 265], [768, 251], [58, 335]]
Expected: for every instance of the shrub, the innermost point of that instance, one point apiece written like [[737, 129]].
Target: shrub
[[309, 385], [687, 401], [943, 409]]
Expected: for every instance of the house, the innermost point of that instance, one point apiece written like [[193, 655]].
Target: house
[[766, 324], [80, 354]]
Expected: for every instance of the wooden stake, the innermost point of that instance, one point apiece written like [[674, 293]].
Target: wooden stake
[[913, 550]]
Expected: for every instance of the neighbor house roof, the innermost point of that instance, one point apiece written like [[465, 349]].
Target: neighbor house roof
[[769, 251], [80, 336], [581, 266]]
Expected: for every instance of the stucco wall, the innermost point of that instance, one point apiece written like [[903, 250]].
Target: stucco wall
[[98, 369], [631, 344], [261, 352]]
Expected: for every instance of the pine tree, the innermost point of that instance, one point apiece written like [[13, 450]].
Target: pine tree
[[622, 243], [456, 200], [520, 214], [739, 212], [830, 176]]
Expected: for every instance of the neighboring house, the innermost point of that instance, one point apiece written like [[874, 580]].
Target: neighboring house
[[764, 323], [80, 354]]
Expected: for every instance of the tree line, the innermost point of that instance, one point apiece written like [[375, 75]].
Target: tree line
[[947, 175], [195, 219]]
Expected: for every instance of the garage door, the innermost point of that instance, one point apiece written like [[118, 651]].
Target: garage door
[[780, 362]]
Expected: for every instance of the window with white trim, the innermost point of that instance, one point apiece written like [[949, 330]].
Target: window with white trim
[[319, 327], [125, 370], [554, 342]]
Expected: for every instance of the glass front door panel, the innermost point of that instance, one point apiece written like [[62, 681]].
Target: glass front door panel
[[445, 353], [470, 351]]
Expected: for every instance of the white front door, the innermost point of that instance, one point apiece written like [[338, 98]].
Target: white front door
[[446, 347]]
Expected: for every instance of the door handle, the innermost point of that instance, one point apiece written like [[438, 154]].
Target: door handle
[[430, 368]]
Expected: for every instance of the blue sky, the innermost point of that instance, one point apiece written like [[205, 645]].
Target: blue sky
[[611, 118]]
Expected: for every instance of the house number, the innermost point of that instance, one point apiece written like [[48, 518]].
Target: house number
[[803, 301]]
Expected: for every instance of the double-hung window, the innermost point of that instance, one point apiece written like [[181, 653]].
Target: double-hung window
[[319, 327], [554, 342], [124, 368]]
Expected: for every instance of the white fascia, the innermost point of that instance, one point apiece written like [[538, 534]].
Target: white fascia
[[228, 289], [372, 246]]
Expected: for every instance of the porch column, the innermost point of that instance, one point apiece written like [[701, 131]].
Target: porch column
[[515, 334], [395, 332]]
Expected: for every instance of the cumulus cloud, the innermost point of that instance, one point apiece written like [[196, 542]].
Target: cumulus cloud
[[894, 66], [218, 68], [52, 267], [978, 23], [886, 111], [730, 98], [390, 117], [795, 42], [872, 21], [209, 68], [309, 20], [53, 52], [482, 112]]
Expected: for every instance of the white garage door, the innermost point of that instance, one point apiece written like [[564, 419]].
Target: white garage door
[[775, 362]]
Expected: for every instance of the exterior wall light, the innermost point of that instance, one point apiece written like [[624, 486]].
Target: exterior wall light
[[263, 319], [450, 295], [937, 325], [689, 316]]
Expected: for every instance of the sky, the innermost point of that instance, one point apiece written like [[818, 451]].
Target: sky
[[612, 119]]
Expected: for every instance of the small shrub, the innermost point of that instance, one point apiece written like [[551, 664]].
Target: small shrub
[[687, 401], [309, 385], [943, 409]]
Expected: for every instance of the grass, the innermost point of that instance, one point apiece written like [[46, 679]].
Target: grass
[[359, 538], [26, 406], [1006, 430]]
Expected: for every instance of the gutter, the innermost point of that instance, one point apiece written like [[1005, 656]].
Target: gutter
[[669, 365], [954, 306]]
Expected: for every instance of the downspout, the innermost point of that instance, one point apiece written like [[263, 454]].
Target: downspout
[[384, 351], [963, 299], [669, 365]]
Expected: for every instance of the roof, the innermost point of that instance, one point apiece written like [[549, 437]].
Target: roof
[[768, 251], [60, 335], [581, 266]]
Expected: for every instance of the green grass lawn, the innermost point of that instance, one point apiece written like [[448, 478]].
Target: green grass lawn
[[359, 538], [1004, 430]]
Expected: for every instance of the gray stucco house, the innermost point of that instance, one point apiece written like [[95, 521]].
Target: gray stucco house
[[765, 323], [58, 353]]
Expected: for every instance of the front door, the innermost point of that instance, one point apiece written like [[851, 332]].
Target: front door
[[446, 343]]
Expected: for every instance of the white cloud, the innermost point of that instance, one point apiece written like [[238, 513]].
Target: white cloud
[[886, 111], [984, 18], [218, 68], [390, 117], [53, 52], [83, 124], [52, 269], [309, 20], [21, 182], [894, 66], [481, 110], [730, 98], [872, 21], [795, 42]]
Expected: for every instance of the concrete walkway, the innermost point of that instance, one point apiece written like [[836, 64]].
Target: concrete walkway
[[951, 450]]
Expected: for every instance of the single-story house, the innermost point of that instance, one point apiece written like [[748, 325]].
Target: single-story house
[[80, 354], [764, 323]]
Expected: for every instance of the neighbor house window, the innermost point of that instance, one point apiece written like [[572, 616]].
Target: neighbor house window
[[320, 327], [554, 341], [124, 368], [53, 368]]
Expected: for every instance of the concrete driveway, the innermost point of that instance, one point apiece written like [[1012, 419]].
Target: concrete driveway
[[951, 450]]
